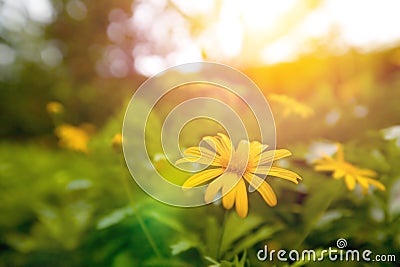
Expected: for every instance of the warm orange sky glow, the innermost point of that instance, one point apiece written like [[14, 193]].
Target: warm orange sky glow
[[258, 32]]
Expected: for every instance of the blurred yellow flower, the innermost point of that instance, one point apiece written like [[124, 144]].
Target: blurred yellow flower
[[291, 106], [117, 142], [231, 167], [350, 173], [54, 107], [74, 138]]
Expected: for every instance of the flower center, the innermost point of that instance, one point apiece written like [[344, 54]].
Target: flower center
[[348, 168], [238, 163]]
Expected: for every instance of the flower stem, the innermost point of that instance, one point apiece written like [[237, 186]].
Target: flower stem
[[222, 233], [139, 218], [146, 233]]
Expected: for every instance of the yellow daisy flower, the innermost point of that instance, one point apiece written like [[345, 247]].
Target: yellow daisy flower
[[117, 142], [230, 168], [350, 173], [291, 106], [74, 138], [54, 107]]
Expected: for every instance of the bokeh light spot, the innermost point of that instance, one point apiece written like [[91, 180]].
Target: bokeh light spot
[[51, 56], [332, 117], [76, 9], [7, 55], [360, 111]]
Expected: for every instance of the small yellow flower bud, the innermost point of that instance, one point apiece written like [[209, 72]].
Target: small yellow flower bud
[[73, 138], [117, 142], [54, 108]]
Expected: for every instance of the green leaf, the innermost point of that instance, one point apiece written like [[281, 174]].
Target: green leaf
[[235, 262], [225, 263], [165, 219], [162, 262], [240, 263], [302, 262], [214, 262], [394, 204], [124, 259], [211, 236], [181, 246], [262, 234], [243, 259], [236, 228], [324, 192], [114, 217]]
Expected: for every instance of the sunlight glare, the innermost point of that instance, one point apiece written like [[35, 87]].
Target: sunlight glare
[[40, 10], [149, 65], [263, 14], [230, 30], [195, 7], [365, 24], [283, 50], [190, 53], [261, 31]]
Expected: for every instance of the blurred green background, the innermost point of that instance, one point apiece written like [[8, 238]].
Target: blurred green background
[[66, 197]]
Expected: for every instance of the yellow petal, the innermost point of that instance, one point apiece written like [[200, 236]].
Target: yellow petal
[[202, 177], [263, 188], [339, 174], [212, 189], [243, 147], [350, 182], [203, 161], [272, 155], [220, 142], [267, 194], [367, 172], [214, 143], [225, 141], [227, 179], [376, 183], [256, 148], [326, 167], [228, 196], [363, 184], [242, 205], [253, 180], [339, 152], [279, 172], [242, 153], [324, 159], [200, 152]]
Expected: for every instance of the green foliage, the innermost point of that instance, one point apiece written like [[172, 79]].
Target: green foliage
[[84, 208]]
